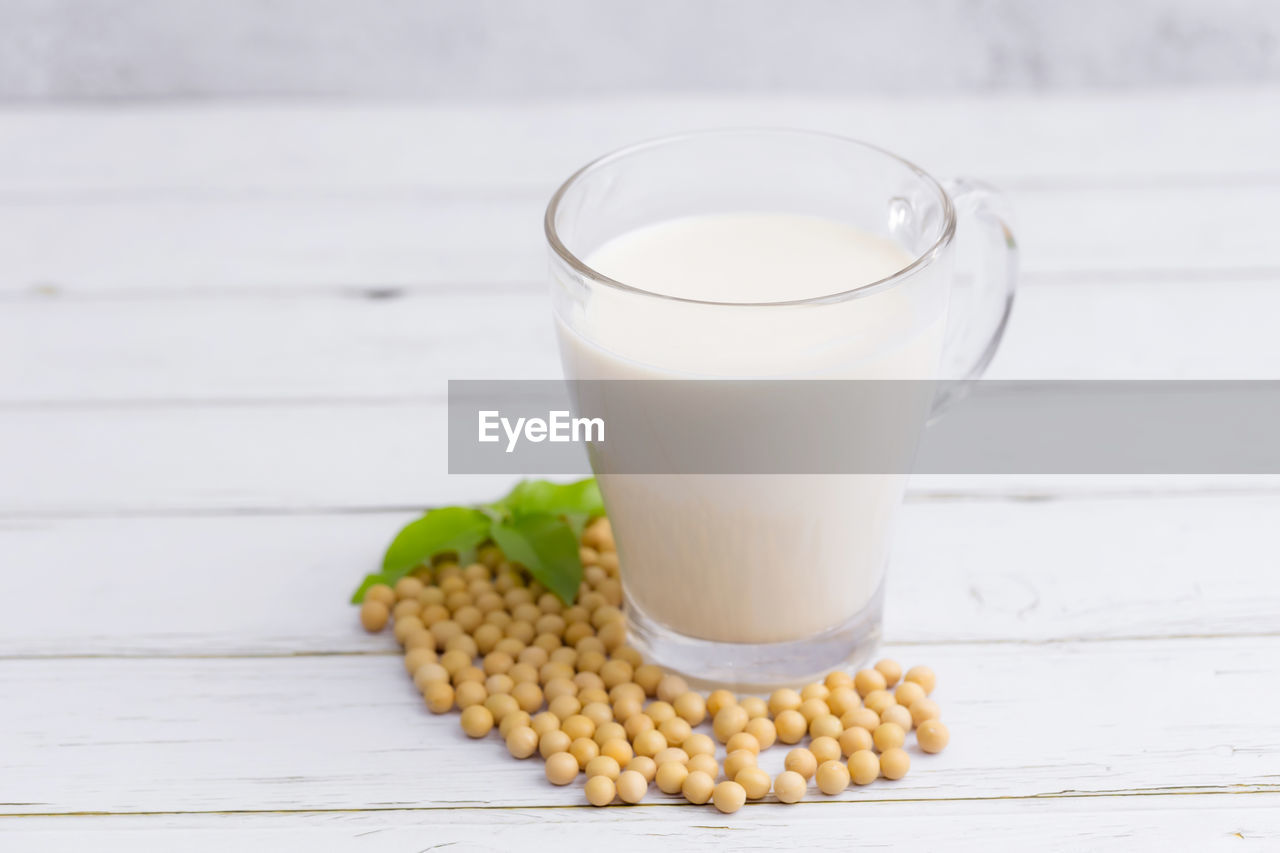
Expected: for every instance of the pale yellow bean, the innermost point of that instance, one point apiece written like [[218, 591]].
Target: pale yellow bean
[[728, 797], [832, 777]]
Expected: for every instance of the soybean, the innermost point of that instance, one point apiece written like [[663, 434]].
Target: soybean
[[631, 786], [789, 787], [933, 736], [728, 797], [832, 777], [600, 790]]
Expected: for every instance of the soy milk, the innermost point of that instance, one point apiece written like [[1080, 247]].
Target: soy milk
[[752, 558]]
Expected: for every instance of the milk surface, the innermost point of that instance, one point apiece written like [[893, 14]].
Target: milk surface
[[751, 558], [748, 257]]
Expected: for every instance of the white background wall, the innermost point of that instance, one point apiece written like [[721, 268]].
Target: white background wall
[[467, 49]]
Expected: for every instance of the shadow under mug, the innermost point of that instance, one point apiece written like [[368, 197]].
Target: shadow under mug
[[759, 580]]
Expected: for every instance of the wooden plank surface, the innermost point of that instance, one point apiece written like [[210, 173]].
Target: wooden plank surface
[[351, 732], [289, 196], [291, 457], [1126, 138], [350, 348], [132, 246], [963, 571], [225, 335], [1173, 822]]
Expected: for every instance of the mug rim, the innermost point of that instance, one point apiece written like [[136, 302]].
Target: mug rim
[[582, 268]]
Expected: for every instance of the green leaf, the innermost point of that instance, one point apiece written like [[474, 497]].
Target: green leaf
[[544, 544], [537, 524], [369, 580], [456, 529], [531, 497], [453, 528]]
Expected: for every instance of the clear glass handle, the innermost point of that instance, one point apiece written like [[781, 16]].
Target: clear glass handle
[[983, 283]]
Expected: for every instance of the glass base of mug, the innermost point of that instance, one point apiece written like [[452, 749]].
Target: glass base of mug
[[758, 667]]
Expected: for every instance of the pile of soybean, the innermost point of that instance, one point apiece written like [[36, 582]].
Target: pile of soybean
[[561, 683]]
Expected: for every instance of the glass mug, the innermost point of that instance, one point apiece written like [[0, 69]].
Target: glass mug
[[748, 579]]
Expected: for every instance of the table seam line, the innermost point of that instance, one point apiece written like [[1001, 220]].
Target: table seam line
[[345, 653], [1242, 789]]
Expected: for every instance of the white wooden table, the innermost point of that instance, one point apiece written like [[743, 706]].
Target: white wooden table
[[224, 335]]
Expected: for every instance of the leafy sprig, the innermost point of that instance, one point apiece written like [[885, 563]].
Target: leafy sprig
[[537, 524]]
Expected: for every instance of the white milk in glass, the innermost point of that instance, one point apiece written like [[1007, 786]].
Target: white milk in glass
[[751, 558]]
